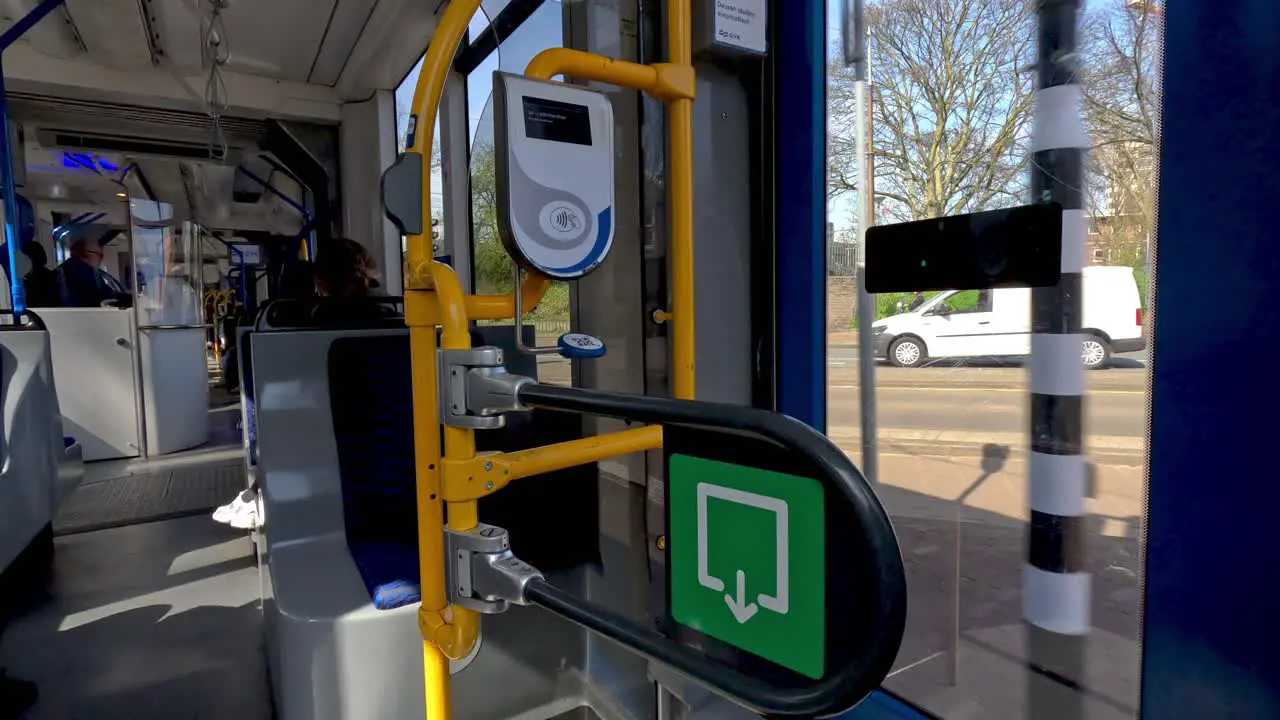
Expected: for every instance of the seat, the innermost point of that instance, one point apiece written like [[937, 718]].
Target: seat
[[335, 440], [373, 433], [39, 466], [332, 653]]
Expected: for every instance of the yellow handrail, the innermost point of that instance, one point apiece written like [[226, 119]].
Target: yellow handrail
[[675, 84], [434, 614], [434, 297], [426, 103], [680, 199]]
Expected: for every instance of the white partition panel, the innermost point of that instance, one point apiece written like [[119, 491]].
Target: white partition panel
[[93, 363], [175, 388]]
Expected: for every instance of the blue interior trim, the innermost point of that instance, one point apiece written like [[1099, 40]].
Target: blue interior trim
[[880, 705], [1210, 621], [800, 129]]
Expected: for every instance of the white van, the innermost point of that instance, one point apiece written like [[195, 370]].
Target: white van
[[997, 323]]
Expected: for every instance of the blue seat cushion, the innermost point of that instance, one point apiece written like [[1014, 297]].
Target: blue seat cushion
[[372, 409], [389, 571]]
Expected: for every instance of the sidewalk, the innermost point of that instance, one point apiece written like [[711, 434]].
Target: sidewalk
[[1109, 449], [843, 339]]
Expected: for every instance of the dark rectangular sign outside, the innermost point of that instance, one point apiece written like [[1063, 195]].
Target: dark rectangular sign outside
[[1013, 247]]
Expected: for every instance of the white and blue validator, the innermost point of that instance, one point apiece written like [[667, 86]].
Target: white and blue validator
[[554, 144]]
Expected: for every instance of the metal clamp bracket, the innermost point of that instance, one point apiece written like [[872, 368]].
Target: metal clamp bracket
[[483, 574], [475, 388]]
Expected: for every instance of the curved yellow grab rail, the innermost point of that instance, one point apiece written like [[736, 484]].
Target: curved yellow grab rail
[[426, 104], [434, 297], [443, 629], [675, 83]]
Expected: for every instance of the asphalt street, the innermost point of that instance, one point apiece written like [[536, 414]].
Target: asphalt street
[[980, 396]]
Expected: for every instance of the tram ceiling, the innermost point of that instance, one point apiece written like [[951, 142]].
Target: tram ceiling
[[296, 59]]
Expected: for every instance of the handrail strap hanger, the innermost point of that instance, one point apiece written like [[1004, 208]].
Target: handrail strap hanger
[[476, 390]]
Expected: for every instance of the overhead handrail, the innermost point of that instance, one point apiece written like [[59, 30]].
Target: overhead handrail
[[307, 220]]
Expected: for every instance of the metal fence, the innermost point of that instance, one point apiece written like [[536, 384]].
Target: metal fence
[[544, 328], [842, 259]]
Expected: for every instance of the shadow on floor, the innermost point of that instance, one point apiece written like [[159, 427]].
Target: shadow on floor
[[965, 576], [148, 621]]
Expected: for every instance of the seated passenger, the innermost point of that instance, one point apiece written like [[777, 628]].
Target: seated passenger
[[345, 269], [84, 283], [41, 281]]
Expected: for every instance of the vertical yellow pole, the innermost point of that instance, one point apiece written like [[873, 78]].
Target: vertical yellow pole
[[680, 183], [422, 345], [459, 443], [426, 447]]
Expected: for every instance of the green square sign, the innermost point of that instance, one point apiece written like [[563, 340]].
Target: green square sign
[[746, 548]]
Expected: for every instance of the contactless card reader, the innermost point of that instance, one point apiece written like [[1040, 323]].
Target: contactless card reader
[[554, 166], [554, 174]]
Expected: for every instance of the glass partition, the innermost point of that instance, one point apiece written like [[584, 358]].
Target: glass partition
[[1007, 619], [167, 267]]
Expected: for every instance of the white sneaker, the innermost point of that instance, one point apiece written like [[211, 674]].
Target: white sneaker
[[225, 513], [246, 517]]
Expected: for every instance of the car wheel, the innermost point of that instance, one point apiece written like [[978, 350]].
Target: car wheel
[[906, 352], [1095, 352]]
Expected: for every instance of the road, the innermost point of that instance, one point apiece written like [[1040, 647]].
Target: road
[[981, 396], [973, 402]]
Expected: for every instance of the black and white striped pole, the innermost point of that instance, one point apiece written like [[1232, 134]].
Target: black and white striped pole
[[1056, 584]]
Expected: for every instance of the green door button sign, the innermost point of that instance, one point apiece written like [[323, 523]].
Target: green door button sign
[[746, 548]]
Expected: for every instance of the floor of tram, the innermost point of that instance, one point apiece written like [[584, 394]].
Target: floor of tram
[[151, 619]]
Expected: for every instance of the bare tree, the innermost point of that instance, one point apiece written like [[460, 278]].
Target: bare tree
[[950, 106], [1120, 56]]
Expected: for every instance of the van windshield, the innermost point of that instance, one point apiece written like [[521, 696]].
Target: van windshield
[[957, 302], [933, 302]]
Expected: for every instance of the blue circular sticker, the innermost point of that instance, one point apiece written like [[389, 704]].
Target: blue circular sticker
[[580, 345]]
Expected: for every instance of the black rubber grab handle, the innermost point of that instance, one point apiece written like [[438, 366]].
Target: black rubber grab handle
[[884, 624]]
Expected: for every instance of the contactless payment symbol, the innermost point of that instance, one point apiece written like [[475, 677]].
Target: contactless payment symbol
[[562, 220]]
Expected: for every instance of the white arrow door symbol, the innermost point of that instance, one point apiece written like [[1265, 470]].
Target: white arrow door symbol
[[742, 608]]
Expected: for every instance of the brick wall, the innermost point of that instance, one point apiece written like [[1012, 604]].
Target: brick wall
[[841, 292]]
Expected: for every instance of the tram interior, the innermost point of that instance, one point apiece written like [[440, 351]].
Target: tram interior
[[189, 599], [208, 150]]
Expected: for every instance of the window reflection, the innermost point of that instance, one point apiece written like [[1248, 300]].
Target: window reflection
[[167, 265]]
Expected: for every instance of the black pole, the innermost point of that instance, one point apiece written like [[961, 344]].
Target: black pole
[[1056, 588]]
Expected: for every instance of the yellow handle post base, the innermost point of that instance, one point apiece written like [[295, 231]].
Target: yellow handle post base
[[453, 631]]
